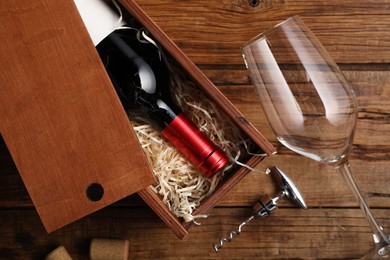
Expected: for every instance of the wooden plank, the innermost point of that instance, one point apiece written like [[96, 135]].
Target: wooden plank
[[371, 176], [288, 233], [369, 159], [211, 32], [60, 116]]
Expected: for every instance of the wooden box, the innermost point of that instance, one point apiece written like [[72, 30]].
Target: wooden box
[[74, 146]]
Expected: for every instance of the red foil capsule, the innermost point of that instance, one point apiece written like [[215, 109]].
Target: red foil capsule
[[194, 145]]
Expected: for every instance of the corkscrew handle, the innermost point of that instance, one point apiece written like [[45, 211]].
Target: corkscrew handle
[[287, 187]]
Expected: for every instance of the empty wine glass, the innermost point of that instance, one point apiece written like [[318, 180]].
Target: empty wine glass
[[309, 104]]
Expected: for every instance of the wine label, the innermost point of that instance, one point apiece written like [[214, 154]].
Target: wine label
[[99, 18]]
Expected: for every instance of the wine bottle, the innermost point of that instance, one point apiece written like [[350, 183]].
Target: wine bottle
[[141, 80]]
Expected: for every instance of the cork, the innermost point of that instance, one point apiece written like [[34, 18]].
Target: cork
[[109, 249], [59, 253]]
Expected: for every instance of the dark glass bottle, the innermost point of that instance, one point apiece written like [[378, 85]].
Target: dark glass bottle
[[141, 80]]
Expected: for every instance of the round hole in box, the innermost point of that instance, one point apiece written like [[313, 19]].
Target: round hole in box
[[95, 192], [254, 3]]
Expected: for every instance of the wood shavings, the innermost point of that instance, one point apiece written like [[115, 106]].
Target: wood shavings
[[181, 186]]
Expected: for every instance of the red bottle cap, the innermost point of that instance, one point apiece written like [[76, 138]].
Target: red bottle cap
[[214, 163], [195, 146]]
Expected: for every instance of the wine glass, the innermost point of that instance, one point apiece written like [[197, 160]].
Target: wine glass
[[308, 102]]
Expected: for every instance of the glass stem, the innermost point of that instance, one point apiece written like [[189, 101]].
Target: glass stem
[[380, 236]]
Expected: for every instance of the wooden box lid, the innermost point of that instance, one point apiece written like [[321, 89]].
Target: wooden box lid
[[60, 116]]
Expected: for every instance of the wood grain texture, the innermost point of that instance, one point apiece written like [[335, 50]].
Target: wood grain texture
[[210, 32], [290, 233], [352, 31], [60, 116]]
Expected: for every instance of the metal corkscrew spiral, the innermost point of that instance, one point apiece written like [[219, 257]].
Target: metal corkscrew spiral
[[266, 204]]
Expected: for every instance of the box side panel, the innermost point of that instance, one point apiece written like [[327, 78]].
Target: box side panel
[[155, 202], [60, 116]]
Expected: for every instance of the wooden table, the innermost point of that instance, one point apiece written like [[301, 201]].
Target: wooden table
[[357, 35]]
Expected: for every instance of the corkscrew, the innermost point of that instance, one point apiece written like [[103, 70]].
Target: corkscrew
[[266, 205]]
